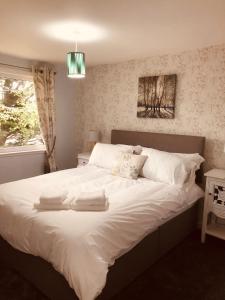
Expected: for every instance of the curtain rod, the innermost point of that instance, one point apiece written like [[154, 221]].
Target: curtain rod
[[19, 67]]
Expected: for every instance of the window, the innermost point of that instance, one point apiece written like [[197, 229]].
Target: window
[[19, 125]]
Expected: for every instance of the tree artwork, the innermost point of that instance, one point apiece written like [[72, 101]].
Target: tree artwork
[[19, 123], [156, 96]]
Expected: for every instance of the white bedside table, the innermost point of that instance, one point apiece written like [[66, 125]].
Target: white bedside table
[[214, 203], [83, 159]]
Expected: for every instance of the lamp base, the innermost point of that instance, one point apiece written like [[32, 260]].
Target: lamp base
[[90, 146]]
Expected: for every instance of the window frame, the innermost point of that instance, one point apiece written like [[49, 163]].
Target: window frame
[[21, 74]]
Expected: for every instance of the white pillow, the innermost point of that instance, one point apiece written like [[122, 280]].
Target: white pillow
[[193, 162], [105, 155], [128, 165], [193, 159], [166, 167], [135, 149]]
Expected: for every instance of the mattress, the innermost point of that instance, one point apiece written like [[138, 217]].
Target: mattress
[[82, 245]]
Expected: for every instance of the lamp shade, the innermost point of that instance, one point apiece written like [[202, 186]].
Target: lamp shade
[[76, 64], [93, 136]]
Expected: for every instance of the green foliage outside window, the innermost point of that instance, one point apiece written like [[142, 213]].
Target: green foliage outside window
[[18, 113]]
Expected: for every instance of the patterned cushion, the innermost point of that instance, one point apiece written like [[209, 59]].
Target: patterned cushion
[[129, 165]]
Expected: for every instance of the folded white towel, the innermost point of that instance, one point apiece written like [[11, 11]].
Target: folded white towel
[[74, 206], [52, 206], [86, 201], [91, 198], [84, 207], [53, 196]]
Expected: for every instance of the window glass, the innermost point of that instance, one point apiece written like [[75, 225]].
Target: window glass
[[19, 125]]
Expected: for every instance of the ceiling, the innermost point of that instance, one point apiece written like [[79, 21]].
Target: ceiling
[[126, 29]]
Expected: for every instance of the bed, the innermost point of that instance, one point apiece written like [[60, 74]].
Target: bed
[[141, 256]]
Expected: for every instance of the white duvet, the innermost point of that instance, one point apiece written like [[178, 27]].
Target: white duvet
[[82, 245]]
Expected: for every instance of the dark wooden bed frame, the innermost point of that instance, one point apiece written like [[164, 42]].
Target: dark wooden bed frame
[[142, 256]]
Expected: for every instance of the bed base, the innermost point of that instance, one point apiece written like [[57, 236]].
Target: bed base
[[122, 273]]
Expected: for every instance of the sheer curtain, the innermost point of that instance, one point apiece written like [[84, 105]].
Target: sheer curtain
[[44, 81]]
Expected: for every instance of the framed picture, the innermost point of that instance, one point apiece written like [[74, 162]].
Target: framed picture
[[156, 96]]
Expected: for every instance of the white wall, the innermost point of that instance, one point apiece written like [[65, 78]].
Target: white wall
[[20, 165], [67, 123]]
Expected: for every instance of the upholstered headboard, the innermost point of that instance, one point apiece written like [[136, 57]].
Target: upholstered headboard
[[162, 141]]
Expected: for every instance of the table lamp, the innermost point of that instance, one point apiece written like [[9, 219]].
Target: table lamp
[[93, 138]]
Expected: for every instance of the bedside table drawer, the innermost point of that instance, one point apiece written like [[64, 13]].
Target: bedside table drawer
[[82, 162], [214, 183], [214, 204], [83, 159]]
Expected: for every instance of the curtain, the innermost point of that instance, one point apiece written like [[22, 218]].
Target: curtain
[[44, 81]]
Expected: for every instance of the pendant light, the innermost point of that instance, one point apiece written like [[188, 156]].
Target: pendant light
[[76, 64]]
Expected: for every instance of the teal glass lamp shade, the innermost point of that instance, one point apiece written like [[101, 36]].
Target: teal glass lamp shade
[[76, 64]]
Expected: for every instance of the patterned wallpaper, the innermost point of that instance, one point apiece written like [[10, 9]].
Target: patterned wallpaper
[[108, 98]]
